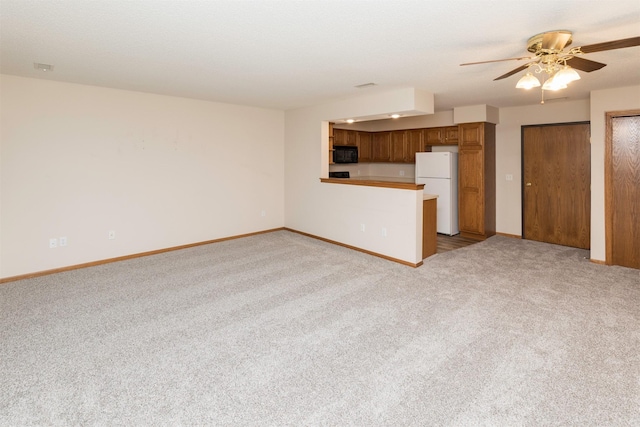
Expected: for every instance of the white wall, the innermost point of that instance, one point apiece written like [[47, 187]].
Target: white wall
[[603, 101], [78, 161]]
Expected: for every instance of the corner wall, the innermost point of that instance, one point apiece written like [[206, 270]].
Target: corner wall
[[603, 101], [78, 161]]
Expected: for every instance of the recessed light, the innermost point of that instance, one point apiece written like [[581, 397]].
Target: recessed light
[[349, 121], [395, 116], [42, 67]]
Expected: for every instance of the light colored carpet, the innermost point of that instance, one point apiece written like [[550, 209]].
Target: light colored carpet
[[281, 329]]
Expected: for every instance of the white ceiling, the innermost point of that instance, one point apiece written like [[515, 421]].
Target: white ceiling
[[288, 54]]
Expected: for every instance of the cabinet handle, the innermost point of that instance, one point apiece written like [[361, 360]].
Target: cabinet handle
[[528, 184]]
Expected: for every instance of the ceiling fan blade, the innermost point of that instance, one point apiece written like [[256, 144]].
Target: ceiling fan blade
[[512, 72], [615, 44], [498, 60], [585, 64], [556, 40]]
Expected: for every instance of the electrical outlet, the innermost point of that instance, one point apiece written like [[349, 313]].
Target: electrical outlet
[[362, 227], [509, 177], [263, 213], [53, 243], [383, 232], [401, 173], [112, 235], [62, 241]]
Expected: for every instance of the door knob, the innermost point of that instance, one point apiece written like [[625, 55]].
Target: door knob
[[528, 184]]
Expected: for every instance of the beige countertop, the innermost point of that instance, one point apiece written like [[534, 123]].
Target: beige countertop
[[429, 196]]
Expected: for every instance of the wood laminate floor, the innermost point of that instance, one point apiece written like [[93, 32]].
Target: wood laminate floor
[[450, 243]]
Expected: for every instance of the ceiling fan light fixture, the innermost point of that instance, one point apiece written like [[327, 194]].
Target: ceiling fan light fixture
[[554, 84], [566, 75], [528, 81]]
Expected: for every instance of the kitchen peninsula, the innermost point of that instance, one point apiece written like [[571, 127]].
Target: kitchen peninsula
[[429, 203]]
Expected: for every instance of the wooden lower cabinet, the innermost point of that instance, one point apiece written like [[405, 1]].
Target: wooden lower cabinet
[[429, 228], [477, 180]]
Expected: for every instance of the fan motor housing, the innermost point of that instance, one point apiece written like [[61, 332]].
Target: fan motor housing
[[555, 41]]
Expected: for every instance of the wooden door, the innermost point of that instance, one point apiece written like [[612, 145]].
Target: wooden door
[[622, 189], [557, 184]]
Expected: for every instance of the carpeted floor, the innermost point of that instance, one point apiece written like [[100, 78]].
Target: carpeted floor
[[280, 329]]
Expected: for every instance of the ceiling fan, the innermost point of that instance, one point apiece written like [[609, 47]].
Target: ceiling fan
[[550, 58]]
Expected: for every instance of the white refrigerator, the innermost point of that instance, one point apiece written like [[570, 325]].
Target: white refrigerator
[[439, 174]]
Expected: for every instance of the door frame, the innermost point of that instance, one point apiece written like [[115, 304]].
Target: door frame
[[608, 180], [522, 183]]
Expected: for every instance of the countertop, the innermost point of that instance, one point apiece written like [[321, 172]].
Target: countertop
[[401, 182], [410, 180]]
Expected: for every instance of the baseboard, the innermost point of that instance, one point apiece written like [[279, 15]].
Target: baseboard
[[126, 257], [388, 258], [478, 237], [515, 236], [597, 261]]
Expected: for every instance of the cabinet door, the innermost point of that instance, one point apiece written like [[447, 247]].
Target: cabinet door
[[414, 144], [381, 146], [471, 191], [344, 137], [364, 146], [471, 135], [433, 136], [451, 135], [398, 146]]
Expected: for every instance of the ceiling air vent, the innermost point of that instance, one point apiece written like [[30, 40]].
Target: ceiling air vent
[[364, 85], [42, 67]]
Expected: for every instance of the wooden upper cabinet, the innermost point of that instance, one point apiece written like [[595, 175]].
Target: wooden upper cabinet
[[451, 135], [344, 137], [381, 147], [331, 143], [415, 144], [364, 142], [433, 136], [398, 146], [471, 135], [447, 135]]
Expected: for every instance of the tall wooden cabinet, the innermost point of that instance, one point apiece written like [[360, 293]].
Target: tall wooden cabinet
[[477, 180]]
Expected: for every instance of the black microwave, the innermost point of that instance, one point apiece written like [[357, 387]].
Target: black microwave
[[345, 154]]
